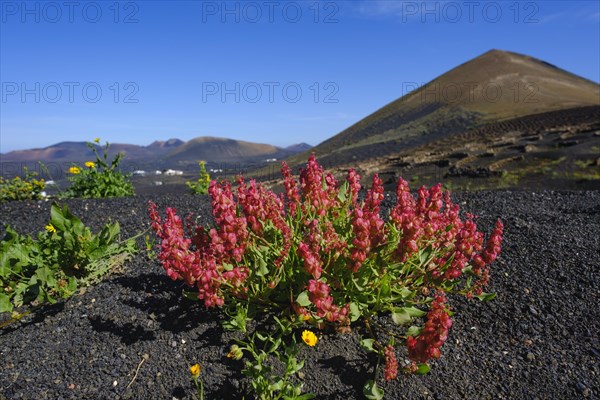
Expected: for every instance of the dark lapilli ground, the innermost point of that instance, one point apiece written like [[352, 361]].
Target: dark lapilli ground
[[539, 339]]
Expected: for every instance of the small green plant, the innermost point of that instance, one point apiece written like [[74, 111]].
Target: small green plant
[[195, 371], [268, 350], [201, 185], [28, 188], [64, 257], [150, 242], [100, 178]]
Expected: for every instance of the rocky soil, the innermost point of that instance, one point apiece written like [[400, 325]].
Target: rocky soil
[[133, 336]]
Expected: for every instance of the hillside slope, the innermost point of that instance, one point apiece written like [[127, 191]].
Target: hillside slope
[[495, 86]]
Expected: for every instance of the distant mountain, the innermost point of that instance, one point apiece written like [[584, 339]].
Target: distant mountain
[[299, 147], [171, 152], [169, 144], [213, 149], [496, 86], [499, 120]]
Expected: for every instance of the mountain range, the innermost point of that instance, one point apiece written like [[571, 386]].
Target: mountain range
[[502, 119], [170, 153]]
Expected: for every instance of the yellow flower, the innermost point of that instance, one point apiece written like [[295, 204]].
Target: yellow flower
[[50, 228], [195, 371], [309, 338], [97, 140], [90, 164], [74, 170]]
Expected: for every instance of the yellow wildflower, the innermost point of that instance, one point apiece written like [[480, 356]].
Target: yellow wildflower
[[309, 338], [90, 164], [97, 140], [195, 371], [74, 170], [50, 228]]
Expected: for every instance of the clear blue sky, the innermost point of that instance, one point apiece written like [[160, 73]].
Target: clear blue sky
[[162, 66]]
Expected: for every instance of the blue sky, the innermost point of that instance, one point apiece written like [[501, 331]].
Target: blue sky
[[278, 72]]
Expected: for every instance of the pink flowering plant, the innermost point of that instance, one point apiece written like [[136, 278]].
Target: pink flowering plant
[[318, 255]]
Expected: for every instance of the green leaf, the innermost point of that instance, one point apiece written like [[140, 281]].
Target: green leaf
[[401, 317], [190, 295], [357, 285], [72, 284], [354, 312], [414, 331], [277, 386], [342, 193], [367, 344], [5, 305], [422, 369], [110, 233], [227, 266], [262, 269], [415, 312], [303, 300], [372, 391], [57, 218], [275, 345], [46, 275], [406, 293], [386, 289], [486, 296]]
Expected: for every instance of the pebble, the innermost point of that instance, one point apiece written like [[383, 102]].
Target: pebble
[[530, 357], [533, 310], [580, 386]]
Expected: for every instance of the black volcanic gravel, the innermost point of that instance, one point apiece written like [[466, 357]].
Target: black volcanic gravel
[[539, 339]]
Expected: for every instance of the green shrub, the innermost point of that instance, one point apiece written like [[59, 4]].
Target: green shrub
[[17, 188], [100, 178], [201, 185], [64, 257]]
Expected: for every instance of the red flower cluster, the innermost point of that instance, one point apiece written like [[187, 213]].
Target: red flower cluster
[[367, 225], [291, 188], [404, 217], [324, 238], [353, 180], [309, 252], [318, 294], [391, 364], [261, 207], [433, 220], [319, 189], [180, 262], [434, 334], [229, 240]]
